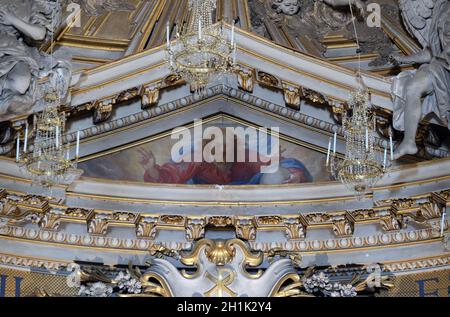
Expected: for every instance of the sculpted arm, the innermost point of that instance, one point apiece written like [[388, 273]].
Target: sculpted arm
[[32, 31], [420, 58]]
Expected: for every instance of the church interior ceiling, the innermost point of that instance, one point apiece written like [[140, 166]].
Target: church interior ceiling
[[313, 27], [141, 217]]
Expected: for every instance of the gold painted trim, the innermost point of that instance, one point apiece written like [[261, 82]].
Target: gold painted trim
[[92, 60], [191, 126], [353, 58], [310, 75], [28, 258], [64, 245], [250, 107], [150, 24], [103, 21], [117, 79], [369, 248], [144, 252], [311, 58]]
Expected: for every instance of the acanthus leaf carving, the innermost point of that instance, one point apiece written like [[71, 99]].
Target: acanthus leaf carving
[[245, 229], [343, 226], [195, 228], [295, 229], [391, 223], [147, 227], [98, 225], [51, 220]]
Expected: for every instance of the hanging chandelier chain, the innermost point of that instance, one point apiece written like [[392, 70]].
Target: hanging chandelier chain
[[203, 53], [49, 163]]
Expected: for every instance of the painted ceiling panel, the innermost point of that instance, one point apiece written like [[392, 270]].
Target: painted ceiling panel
[[155, 160]]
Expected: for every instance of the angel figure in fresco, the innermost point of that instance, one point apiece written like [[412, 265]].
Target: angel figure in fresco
[[23, 25], [424, 92], [291, 171]]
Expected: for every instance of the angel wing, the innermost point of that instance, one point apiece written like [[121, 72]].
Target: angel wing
[[417, 17], [99, 7]]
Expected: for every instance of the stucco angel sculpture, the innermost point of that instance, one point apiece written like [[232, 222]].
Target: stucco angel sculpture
[[314, 18], [424, 92], [23, 25], [291, 7]]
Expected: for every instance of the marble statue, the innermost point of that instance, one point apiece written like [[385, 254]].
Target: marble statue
[[425, 92], [24, 25]]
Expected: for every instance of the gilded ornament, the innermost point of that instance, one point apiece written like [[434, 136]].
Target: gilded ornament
[[245, 80], [292, 97]]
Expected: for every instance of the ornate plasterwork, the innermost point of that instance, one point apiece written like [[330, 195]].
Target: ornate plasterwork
[[221, 269], [446, 241], [238, 94], [391, 215], [305, 25], [22, 261], [412, 265], [246, 80], [150, 93], [114, 243]]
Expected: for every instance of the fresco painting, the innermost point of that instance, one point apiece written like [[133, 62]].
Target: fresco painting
[[153, 162]]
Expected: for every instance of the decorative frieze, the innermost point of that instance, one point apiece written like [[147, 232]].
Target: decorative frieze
[[433, 262], [163, 109], [99, 241], [26, 262], [18, 210]]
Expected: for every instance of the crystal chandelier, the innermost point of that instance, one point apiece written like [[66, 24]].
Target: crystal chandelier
[[49, 163], [202, 54], [362, 166]]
